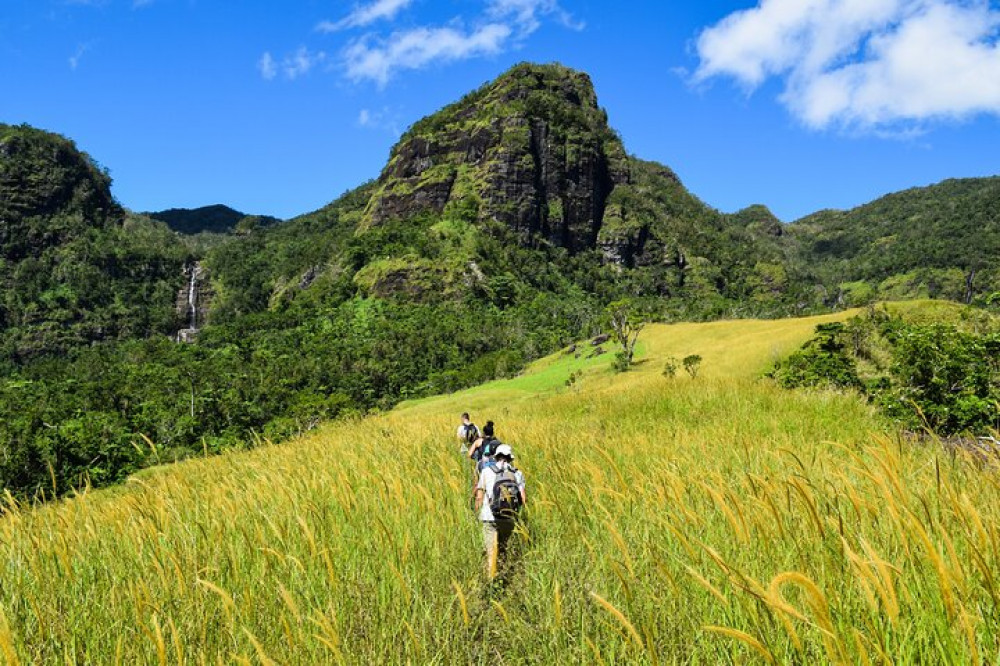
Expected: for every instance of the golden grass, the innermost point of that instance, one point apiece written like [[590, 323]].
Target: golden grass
[[715, 520]]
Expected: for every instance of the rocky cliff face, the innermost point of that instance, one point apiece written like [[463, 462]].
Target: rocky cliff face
[[531, 150]]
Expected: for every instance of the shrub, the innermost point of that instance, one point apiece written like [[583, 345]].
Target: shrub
[[692, 364]]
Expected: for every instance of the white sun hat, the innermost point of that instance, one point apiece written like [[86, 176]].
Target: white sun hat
[[505, 450]]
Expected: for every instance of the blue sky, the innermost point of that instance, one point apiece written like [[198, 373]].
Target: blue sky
[[278, 107]]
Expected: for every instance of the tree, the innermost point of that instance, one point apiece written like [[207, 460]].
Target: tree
[[692, 364], [626, 325]]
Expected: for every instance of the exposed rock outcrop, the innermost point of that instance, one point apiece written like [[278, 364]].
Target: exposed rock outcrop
[[531, 150]]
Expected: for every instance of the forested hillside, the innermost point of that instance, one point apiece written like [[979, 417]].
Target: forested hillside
[[75, 267], [216, 219], [932, 242]]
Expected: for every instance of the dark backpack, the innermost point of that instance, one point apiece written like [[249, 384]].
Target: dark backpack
[[485, 450], [489, 446], [471, 433], [506, 499]]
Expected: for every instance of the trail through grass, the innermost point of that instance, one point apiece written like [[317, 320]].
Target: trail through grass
[[713, 520]]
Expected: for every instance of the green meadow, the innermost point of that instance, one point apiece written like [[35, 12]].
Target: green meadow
[[715, 519]]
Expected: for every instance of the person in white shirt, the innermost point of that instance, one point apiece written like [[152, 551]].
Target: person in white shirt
[[496, 477], [467, 433]]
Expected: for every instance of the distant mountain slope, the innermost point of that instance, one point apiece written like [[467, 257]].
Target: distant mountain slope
[[218, 219], [521, 185], [939, 241]]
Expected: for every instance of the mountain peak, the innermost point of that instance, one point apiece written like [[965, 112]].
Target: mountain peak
[[217, 218], [531, 149]]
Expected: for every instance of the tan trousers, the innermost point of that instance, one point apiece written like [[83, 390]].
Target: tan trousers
[[495, 538]]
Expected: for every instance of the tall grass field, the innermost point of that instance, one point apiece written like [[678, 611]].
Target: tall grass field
[[707, 520]]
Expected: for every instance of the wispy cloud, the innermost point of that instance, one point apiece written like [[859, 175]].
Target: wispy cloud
[[267, 66], [502, 25], [378, 55], [527, 14], [301, 62], [378, 60], [379, 120], [292, 66], [74, 60], [863, 64], [366, 15]]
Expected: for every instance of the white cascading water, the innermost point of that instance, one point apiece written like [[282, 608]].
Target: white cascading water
[[188, 334], [193, 297]]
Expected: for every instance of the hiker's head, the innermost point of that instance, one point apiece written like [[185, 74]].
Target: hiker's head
[[488, 429], [504, 452], [465, 417]]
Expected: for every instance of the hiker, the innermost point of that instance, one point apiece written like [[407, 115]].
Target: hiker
[[499, 498], [467, 433], [483, 448]]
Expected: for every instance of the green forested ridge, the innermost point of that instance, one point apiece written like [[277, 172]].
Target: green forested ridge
[[216, 219], [75, 267], [938, 242], [498, 231]]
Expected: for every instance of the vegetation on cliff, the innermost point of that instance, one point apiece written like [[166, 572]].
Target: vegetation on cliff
[[74, 267]]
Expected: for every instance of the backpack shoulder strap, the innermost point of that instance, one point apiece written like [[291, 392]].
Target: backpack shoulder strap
[[508, 474]]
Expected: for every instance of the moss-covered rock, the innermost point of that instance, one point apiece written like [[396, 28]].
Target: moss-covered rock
[[531, 150], [410, 277]]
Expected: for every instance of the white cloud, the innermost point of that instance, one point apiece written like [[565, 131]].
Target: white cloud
[[527, 13], [383, 120], [366, 15], [378, 60], [267, 67], [505, 22], [378, 56], [299, 63], [74, 60], [867, 64], [292, 66]]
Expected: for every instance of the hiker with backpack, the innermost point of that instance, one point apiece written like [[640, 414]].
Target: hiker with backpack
[[499, 499], [467, 433], [482, 449]]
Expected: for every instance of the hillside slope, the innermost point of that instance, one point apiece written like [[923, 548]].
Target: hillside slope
[[74, 267], [215, 219], [669, 520], [939, 241]]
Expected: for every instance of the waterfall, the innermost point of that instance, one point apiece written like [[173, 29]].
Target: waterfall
[[193, 298], [187, 302]]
